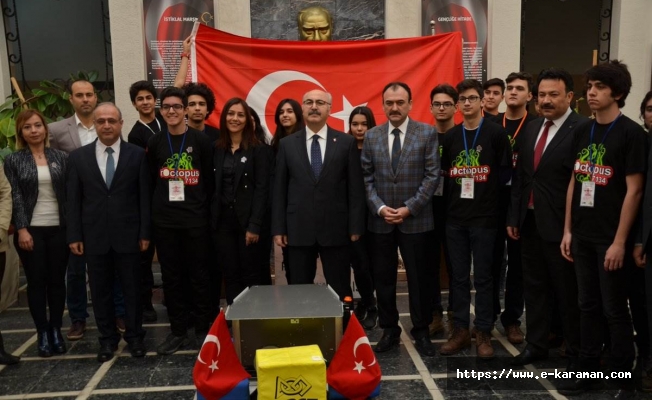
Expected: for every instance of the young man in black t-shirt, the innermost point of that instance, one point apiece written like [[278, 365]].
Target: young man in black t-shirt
[[494, 93], [181, 162], [201, 103], [477, 156], [604, 193]]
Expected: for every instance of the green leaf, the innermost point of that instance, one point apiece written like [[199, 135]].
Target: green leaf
[[50, 99], [92, 76], [39, 92]]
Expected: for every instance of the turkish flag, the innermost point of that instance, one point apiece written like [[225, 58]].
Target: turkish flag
[[263, 72], [218, 370], [354, 371]]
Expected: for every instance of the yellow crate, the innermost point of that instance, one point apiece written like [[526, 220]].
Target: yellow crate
[[291, 373]]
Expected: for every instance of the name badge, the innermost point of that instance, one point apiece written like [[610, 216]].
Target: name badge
[[440, 187], [467, 188], [177, 192], [587, 198]]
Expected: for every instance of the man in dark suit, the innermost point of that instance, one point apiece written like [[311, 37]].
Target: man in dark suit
[[109, 222], [400, 164], [536, 216], [318, 206]]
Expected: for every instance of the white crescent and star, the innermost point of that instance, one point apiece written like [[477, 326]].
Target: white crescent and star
[[209, 339], [358, 365]]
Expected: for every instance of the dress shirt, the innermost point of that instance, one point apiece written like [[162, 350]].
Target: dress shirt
[[390, 135], [101, 155], [86, 135], [552, 131], [322, 141]]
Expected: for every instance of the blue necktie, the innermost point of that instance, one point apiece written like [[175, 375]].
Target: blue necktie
[[396, 148], [315, 156], [110, 166]]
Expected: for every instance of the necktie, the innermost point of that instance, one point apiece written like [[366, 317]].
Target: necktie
[[110, 166], [396, 148], [315, 156], [538, 152]]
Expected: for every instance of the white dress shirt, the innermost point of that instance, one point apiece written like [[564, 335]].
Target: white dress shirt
[[552, 131], [86, 135], [101, 155], [322, 141], [390, 135]]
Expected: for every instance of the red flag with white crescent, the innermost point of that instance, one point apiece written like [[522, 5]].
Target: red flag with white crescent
[[354, 371], [263, 72], [217, 370]]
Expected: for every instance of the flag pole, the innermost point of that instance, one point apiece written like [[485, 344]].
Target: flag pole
[[432, 27]]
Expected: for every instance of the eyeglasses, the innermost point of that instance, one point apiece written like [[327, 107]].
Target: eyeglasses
[[319, 103], [166, 107], [446, 105], [471, 99], [103, 121]]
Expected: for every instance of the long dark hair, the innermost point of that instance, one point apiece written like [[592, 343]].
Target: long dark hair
[[248, 135], [280, 132], [259, 131], [366, 111]]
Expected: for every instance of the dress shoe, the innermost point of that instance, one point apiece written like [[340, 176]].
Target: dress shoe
[[371, 318], [149, 313], [484, 348], [76, 330], [360, 310], [6, 358], [437, 324], [106, 352], [459, 340], [57, 343], [528, 356], [514, 334], [44, 348], [425, 347], [120, 324], [389, 340], [577, 386], [172, 344], [137, 348]]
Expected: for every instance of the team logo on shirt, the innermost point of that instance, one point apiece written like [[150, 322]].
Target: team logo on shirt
[[180, 167], [460, 169], [589, 165]]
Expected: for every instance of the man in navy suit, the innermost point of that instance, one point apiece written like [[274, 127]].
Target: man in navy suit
[[109, 222]]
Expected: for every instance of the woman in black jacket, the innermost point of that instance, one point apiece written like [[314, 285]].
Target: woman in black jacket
[[37, 175]]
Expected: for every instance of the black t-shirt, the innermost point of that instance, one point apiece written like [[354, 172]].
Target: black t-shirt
[[513, 131], [623, 152], [490, 155], [195, 166], [212, 132], [141, 133]]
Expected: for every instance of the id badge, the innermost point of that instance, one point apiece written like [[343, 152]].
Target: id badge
[[588, 194], [467, 188], [177, 192], [440, 187]]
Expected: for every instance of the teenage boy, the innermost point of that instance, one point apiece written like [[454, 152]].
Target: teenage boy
[[494, 90], [201, 103], [603, 197], [477, 156]]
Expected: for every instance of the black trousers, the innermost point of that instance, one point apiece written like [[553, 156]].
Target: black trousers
[[186, 281], [419, 272], [240, 263], [361, 265], [636, 293], [102, 271], [265, 242], [147, 276], [438, 244], [45, 270], [335, 261], [547, 276]]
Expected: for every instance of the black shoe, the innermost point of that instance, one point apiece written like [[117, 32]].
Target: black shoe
[[149, 313], [425, 347], [360, 310], [389, 340], [575, 387], [58, 345], [6, 358], [137, 348], [44, 348], [172, 344], [106, 352], [528, 356], [371, 319]]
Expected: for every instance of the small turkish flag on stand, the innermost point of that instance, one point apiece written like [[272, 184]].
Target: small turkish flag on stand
[[354, 372], [218, 370]]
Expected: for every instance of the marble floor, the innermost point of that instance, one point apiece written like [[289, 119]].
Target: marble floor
[[406, 375]]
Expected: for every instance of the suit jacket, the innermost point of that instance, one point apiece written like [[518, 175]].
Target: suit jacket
[[22, 174], [415, 180], [251, 183], [324, 211], [549, 182], [5, 210], [64, 135], [102, 217]]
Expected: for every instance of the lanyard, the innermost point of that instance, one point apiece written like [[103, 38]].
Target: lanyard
[[602, 142], [466, 146], [183, 141], [149, 127], [518, 130]]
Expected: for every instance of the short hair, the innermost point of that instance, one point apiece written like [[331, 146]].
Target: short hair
[[613, 74], [556, 74], [494, 82], [201, 89], [467, 84], [72, 82], [396, 85], [172, 91], [259, 131], [141, 85], [646, 99], [366, 111], [107, 104], [523, 76], [446, 89], [248, 135], [21, 119], [280, 133]]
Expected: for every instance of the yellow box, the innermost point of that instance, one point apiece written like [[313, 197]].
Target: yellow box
[[291, 373]]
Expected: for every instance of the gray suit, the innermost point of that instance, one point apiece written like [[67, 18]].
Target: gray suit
[[64, 135]]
